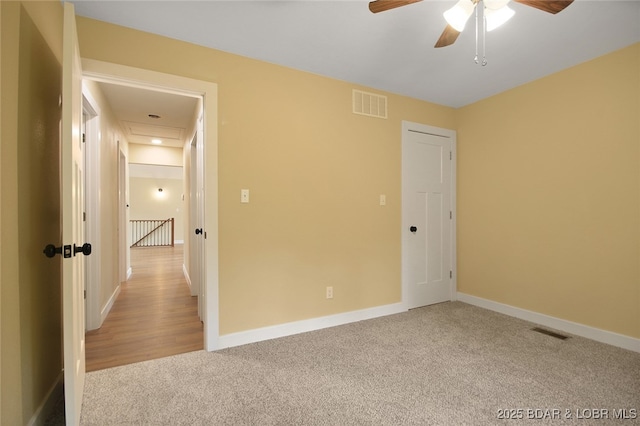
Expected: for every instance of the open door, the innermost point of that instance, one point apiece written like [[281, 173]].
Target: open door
[[73, 247], [197, 212]]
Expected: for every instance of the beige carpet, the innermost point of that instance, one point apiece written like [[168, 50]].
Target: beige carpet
[[447, 364]]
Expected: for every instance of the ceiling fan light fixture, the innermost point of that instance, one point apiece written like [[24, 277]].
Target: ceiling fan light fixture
[[497, 17], [459, 14]]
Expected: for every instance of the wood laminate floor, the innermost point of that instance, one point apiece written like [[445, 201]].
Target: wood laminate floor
[[153, 317]]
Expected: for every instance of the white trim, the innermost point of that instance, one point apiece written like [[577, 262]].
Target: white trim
[[291, 328], [454, 217], [129, 273], [178, 242], [124, 250], [208, 91], [92, 208], [107, 307], [599, 335], [408, 126], [55, 394], [185, 272]]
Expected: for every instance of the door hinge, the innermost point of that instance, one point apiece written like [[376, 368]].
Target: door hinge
[[450, 155], [85, 294], [84, 137], [450, 214], [84, 216], [450, 274]]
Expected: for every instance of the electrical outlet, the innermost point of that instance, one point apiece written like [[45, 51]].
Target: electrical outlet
[[329, 292]]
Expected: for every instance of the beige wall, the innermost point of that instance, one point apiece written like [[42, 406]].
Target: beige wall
[[111, 141], [314, 169], [549, 195], [535, 164], [143, 193], [160, 155], [147, 203], [31, 335]]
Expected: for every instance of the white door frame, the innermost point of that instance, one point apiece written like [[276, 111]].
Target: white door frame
[[152, 80], [193, 222], [92, 208], [407, 127], [196, 241], [124, 268]]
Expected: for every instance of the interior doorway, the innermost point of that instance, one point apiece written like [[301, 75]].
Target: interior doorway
[[124, 157], [149, 312]]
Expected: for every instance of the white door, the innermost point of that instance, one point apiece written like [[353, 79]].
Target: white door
[[426, 214], [197, 217], [200, 217], [72, 226]]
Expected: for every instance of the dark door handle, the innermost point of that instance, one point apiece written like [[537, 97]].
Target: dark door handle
[[413, 229], [84, 249], [198, 231], [50, 250], [66, 251]]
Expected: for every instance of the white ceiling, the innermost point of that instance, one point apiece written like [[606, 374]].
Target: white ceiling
[[132, 107], [392, 50]]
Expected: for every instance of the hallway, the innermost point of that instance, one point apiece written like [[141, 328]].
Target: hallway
[[153, 317]]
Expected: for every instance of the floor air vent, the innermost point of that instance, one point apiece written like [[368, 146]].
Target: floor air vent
[[369, 104], [550, 333]]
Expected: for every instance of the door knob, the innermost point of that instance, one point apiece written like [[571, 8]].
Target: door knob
[[66, 251], [413, 229], [50, 250], [84, 249], [198, 231]]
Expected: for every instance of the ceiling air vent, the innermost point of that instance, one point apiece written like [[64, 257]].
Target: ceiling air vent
[[370, 104]]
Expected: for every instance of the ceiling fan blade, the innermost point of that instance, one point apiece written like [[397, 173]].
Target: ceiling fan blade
[[551, 6], [382, 5], [448, 37]]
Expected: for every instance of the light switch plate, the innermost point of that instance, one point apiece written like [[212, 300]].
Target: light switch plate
[[244, 195]]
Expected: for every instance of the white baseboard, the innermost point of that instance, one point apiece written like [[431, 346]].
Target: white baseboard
[[107, 307], [48, 403], [603, 336], [186, 274], [291, 328], [186, 277], [178, 242]]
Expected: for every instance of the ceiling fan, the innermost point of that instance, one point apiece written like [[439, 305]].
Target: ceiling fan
[[496, 13]]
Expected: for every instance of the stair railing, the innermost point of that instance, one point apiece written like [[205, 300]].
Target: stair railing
[[152, 232]]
